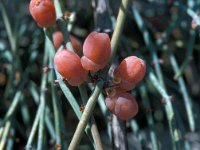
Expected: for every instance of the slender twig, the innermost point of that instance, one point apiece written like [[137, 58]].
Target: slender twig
[[24, 111], [58, 118], [85, 117], [5, 134], [136, 130], [160, 82], [6, 21], [149, 116], [33, 130], [42, 103], [174, 131], [186, 97], [149, 43], [13, 106], [188, 55], [49, 124], [119, 27], [94, 129], [119, 134], [10, 142], [58, 8], [36, 98], [10, 114], [42, 115], [12, 40], [106, 114], [178, 71]]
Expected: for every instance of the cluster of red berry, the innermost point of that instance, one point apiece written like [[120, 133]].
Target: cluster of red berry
[[96, 54], [95, 57], [129, 72]]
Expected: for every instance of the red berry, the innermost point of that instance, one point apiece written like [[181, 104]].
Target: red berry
[[97, 51], [76, 44], [68, 64], [43, 12], [130, 71], [123, 105], [57, 39]]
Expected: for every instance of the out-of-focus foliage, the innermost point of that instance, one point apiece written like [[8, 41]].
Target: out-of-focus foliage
[[36, 111]]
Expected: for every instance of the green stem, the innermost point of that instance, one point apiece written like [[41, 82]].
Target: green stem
[[57, 120], [174, 131], [33, 130], [189, 52], [15, 65], [10, 142], [36, 98], [135, 128], [94, 129], [42, 103], [13, 106], [186, 97], [42, 114], [58, 8], [149, 116], [49, 124], [5, 134], [58, 116], [85, 117], [24, 111], [56, 107], [149, 43], [119, 27], [6, 21]]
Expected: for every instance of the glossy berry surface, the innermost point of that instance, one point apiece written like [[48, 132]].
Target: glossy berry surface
[[57, 39], [43, 12], [123, 105], [68, 64], [130, 71], [96, 51]]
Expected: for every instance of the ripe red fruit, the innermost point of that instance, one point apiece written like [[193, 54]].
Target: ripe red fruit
[[96, 51], [68, 64], [123, 105], [57, 39], [76, 44], [130, 71], [43, 12]]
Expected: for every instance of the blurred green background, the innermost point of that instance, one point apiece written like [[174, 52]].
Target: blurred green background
[[165, 33]]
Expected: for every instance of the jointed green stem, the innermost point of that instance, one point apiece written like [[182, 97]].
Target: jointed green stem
[[41, 129], [94, 129], [186, 97], [119, 27], [149, 44], [174, 131], [150, 121], [159, 84], [33, 130], [85, 117]]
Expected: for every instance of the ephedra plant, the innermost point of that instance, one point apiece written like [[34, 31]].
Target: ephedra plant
[[109, 78]]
